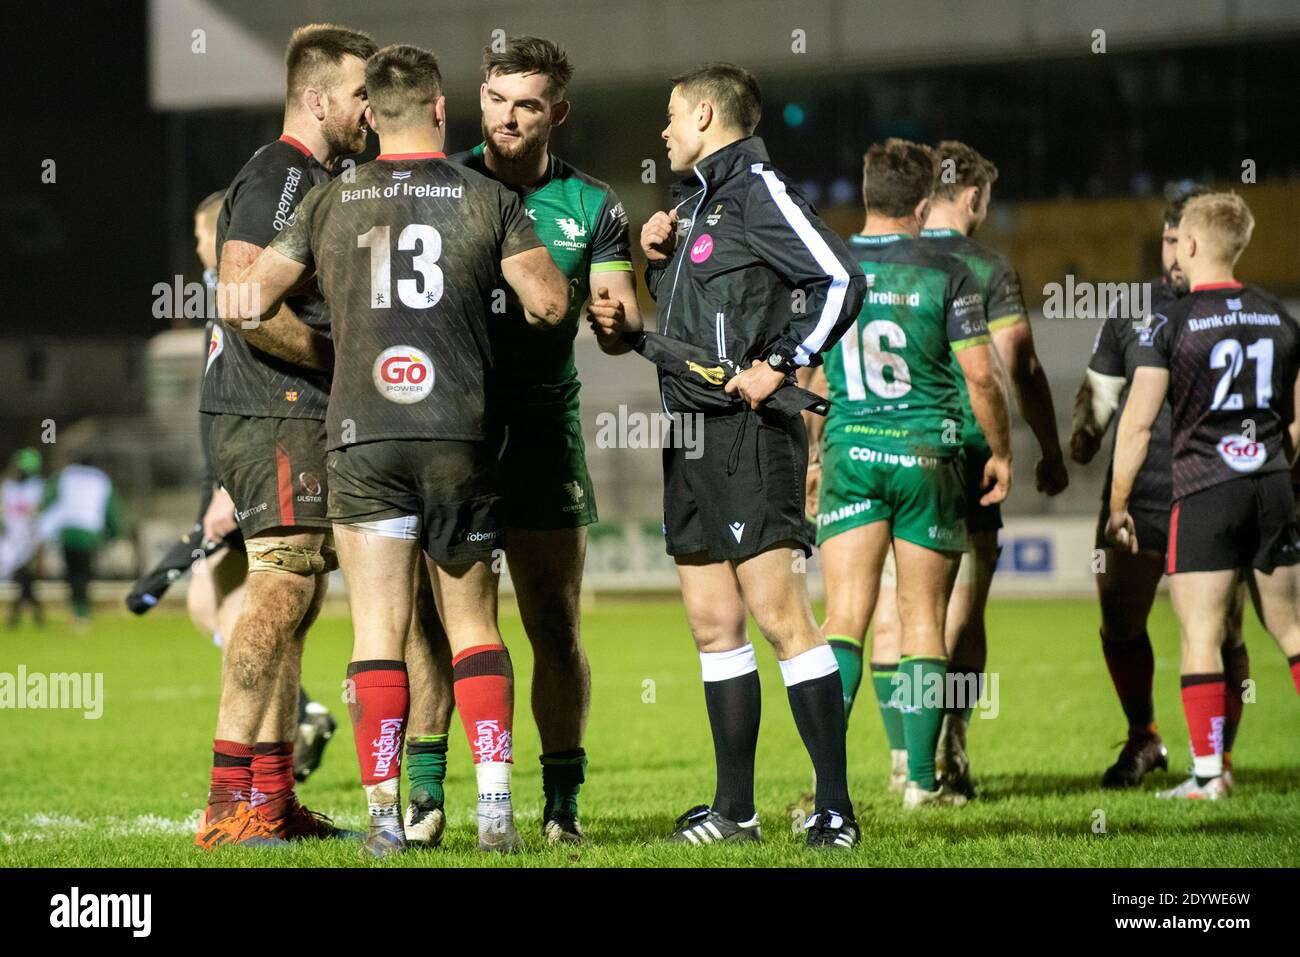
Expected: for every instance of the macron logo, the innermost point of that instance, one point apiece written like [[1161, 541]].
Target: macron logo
[[737, 529], [134, 911]]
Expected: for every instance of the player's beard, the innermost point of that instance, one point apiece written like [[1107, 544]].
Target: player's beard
[[522, 151], [1179, 286], [344, 138]]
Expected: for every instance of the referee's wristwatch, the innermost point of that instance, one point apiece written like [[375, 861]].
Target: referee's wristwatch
[[781, 361]]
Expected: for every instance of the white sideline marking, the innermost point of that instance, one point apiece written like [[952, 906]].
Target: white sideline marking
[[44, 827]]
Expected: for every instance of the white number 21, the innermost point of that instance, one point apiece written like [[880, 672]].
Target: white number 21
[[1227, 355]]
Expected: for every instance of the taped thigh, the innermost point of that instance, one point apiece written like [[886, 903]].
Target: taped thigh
[[286, 558]]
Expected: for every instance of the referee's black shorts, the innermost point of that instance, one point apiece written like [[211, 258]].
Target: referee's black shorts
[[738, 487], [1248, 522]]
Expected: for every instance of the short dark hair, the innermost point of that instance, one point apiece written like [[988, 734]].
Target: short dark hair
[[1177, 195], [731, 89], [210, 204], [530, 55], [315, 53], [896, 175], [968, 168], [402, 82]]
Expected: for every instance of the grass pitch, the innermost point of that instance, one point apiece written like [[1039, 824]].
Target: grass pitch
[[126, 789]]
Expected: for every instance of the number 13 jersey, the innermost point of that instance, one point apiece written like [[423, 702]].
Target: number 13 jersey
[[891, 382], [408, 257], [1232, 352]]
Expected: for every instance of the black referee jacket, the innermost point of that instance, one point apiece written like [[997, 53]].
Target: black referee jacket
[[754, 271]]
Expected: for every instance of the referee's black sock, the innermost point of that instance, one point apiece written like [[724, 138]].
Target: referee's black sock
[[812, 681], [734, 699]]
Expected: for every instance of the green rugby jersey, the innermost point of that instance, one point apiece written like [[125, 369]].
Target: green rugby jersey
[[999, 284], [582, 224], [892, 385]]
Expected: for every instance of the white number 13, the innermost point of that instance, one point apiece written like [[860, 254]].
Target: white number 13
[[418, 294]]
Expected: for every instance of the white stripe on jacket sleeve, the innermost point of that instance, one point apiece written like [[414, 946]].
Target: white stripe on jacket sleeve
[[824, 258]]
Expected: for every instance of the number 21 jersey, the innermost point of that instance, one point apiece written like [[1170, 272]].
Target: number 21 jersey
[[408, 256], [1232, 352]]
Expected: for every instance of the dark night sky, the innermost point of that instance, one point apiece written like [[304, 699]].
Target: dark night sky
[[78, 88]]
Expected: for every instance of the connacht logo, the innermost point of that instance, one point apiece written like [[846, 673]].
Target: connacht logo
[[572, 229]]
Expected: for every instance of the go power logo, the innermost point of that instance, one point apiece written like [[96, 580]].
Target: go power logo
[[1241, 454], [403, 374]]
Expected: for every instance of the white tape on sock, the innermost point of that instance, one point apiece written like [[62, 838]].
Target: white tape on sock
[[724, 665], [813, 663]]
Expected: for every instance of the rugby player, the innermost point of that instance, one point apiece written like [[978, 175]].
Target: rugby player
[[1227, 355], [216, 588], [547, 494], [960, 204], [1127, 581], [892, 469], [265, 424], [749, 271], [408, 255]]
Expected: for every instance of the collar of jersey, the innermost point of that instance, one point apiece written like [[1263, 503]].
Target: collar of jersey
[[286, 138], [412, 156], [1207, 287], [877, 240], [938, 233], [545, 181]]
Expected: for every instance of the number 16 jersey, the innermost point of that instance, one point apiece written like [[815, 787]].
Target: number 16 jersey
[[1232, 352], [891, 383], [408, 257]]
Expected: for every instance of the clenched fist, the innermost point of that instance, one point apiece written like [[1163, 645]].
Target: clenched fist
[[659, 236]]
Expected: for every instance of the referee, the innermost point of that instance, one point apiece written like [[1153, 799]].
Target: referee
[[743, 267]]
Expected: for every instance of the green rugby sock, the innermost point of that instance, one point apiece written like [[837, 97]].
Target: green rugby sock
[[882, 679], [426, 766], [848, 655], [562, 775], [921, 695]]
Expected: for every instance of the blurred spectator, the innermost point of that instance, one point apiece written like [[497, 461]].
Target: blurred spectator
[[82, 511], [20, 503]]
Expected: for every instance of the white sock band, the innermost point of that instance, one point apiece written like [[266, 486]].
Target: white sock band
[[1207, 765], [813, 663], [724, 665], [493, 780]]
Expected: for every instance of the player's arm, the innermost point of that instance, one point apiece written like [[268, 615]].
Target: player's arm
[[1145, 397], [826, 284], [613, 310], [526, 265], [814, 380], [1293, 429], [255, 283], [539, 284], [966, 325], [988, 400], [1013, 337], [611, 279], [1097, 399], [1015, 345]]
